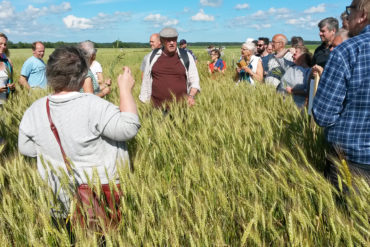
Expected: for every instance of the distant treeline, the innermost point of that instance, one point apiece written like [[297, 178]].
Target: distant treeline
[[120, 44]]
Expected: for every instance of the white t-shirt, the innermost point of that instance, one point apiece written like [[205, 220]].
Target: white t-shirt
[[3, 80], [96, 68]]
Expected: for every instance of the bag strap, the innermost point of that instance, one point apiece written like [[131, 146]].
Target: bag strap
[[183, 55], [154, 52], [185, 58], [56, 134]]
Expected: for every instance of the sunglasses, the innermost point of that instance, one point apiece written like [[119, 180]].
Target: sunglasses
[[348, 9]]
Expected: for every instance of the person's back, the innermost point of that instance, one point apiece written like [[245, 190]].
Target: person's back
[[81, 120], [89, 132], [345, 124]]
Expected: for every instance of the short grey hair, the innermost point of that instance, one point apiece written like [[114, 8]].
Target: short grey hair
[[250, 46], [88, 47], [66, 69], [342, 33], [331, 23]]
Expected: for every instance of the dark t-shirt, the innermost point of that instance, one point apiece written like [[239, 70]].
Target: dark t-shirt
[[321, 55], [169, 77]]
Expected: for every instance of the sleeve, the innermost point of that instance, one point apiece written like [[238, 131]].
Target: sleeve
[[110, 122], [26, 69], [122, 126], [26, 144], [193, 76], [98, 68], [143, 64], [328, 102], [219, 64], [146, 86]]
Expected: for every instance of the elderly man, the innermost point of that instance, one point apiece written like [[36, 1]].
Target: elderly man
[[33, 70], [155, 43], [342, 104], [170, 72], [328, 28], [281, 60], [340, 36]]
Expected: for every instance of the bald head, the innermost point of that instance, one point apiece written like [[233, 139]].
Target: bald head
[[278, 42], [155, 41]]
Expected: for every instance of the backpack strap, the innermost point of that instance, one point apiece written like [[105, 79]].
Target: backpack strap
[[154, 52], [184, 57]]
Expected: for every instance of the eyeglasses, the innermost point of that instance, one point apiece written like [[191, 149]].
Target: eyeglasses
[[348, 9], [260, 45], [213, 54]]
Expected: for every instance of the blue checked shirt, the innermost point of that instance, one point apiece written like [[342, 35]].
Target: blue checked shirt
[[342, 101]]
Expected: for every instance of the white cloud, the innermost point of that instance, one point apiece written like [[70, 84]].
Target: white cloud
[[96, 2], [262, 19], [159, 20], [155, 18], [63, 7], [6, 10], [281, 13], [303, 22], [173, 22], [278, 11], [259, 15], [201, 16], [211, 3], [318, 9], [242, 6], [100, 21], [74, 22]]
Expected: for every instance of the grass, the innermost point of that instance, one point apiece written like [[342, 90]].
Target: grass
[[240, 168]]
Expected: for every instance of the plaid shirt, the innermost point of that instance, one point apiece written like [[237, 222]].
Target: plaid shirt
[[342, 102]]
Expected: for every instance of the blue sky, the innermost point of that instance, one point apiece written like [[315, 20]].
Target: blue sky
[[135, 20]]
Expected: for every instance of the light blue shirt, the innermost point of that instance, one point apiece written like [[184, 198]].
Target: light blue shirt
[[34, 70]]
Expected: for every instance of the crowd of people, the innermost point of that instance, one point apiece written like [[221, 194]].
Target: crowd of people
[[89, 133]]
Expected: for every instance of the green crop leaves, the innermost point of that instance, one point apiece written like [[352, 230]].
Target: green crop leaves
[[240, 168]]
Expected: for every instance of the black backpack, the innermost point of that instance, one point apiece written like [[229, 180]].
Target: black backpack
[[183, 56]]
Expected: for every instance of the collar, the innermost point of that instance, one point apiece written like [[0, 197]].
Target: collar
[[3, 58]]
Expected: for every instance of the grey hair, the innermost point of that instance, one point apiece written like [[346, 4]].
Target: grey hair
[[250, 46], [88, 47], [331, 23], [66, 69], [342, 33]]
